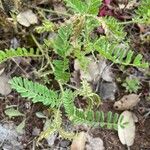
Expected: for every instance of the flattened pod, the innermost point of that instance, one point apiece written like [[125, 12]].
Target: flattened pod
[[127, 134], [127, 102]]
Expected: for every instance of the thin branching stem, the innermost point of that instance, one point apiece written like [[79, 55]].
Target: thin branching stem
[[54, 12]]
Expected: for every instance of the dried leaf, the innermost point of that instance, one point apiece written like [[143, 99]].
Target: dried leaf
[[130, 5], [20, 127], [127, 134], [11, 112], [79, 142], [5, 87], [127, 102], [40, 115], [96, 69], [27, 18], [58, 7], [41, 2]]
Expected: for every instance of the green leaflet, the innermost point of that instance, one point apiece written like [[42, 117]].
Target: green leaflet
[[143, 12], [35, 91], [78, 6], [92, 98], [118, 55], [61, 70], [90, 24], [90, 117], [84, 6], [61, 44], [19, 52], [132, 85], [116, 30], [93, 6], [46, 26]]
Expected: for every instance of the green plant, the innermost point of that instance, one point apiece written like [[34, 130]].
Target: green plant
[[73, 40], [87, 93], [143, 13], [84, 7], [118, 55], [19, 52], [132, 85], [55, 99], [46, 26], [55, 126]]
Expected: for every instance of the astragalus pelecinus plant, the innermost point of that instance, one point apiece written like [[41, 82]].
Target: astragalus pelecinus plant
[[74, 40]]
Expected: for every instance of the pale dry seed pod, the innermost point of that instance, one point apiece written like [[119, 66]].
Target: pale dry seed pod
[[127, 102], [127, 134]]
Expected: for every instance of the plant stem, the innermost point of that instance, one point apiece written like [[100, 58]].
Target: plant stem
[[37, 43], [48, 59], [53, 11], [43, 53], [71, 86]]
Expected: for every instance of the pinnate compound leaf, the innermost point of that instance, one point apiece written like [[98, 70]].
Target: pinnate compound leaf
[[143, 12], [61, 44], [78, 6], [84, 7], [19, 52], [35, 91], [61, 73], [93, 6]]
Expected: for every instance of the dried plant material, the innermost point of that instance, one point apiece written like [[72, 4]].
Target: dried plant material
[[41, 2], [58, 7], [11, 112], [20, 127], [127, 102], [128, 5], [96, 69], [27, 18], [5, 87], [127, 134], [79, 142], [2, 68], [76, 78], [92, 72]]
